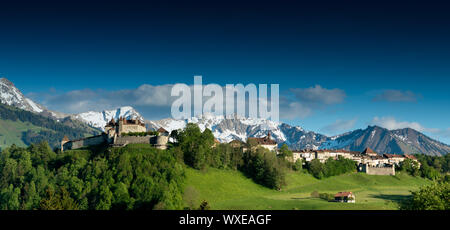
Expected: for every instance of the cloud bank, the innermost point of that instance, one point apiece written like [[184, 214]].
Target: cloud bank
[[340, 126], [391, 95], [154, 101]]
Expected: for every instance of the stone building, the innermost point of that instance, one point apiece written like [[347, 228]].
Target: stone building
[[163, 132], [123, 126], [377, 170], [369, 152], [394, 159], [114, 135]]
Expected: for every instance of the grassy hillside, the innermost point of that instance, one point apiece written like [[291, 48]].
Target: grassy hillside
[[22, 128], [11, 132], [226, 189]]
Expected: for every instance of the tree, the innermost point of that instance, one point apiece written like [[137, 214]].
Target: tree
[[285, 152], [298, 165], [316, 168], [410, 166], [431, 197], [195, 145]]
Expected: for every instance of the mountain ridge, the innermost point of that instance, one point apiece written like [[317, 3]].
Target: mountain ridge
[[229, 128]]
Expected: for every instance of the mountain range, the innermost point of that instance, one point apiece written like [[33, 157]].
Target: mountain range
[[226, 129]]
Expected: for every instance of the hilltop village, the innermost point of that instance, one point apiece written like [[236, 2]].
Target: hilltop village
[[124, 132], [368, 160]]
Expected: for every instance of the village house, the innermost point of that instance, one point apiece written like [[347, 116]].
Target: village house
[[305, 155], [369, 152], [115, 135], [345, 197], [394, 159], [368, 160], [322, 155], [265, 142]]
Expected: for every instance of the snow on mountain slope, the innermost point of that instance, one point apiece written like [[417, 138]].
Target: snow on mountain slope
[[12, 96], [100, 119], [225, 129], [241, 128], [400, 141]]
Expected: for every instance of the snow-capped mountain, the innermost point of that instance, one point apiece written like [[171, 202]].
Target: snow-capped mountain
[[402, 141], [382, 140], [226, 129], [12, 96], [100, 119]]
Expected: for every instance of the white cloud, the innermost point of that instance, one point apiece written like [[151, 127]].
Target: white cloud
[[392, 95], [391, 123], [155, 100], [293, 110], [340, 125], [318, 96]]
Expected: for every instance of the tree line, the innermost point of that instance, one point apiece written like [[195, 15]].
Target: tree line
[[37, 178]]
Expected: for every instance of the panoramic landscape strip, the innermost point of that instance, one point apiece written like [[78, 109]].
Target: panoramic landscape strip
[[224, 114]]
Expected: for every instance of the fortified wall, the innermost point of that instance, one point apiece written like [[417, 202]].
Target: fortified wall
[[90, 141], [378, 170], [114, 135]]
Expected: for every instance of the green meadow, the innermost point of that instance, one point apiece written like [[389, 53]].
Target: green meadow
[[11, 132], [231, 190]]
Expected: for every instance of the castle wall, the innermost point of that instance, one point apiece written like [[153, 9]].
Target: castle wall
[[378, 170], [95, 140], [132, 129], [124, 140]]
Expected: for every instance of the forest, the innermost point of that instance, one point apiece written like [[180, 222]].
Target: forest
[[141, 177]]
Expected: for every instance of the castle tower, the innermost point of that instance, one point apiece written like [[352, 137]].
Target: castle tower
[[64, 141], [121, 119]]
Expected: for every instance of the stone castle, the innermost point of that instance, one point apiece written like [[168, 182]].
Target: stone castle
[[123, 126], [119, 134]]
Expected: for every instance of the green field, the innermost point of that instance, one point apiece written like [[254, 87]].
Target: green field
[[231, 190], [11, 132]]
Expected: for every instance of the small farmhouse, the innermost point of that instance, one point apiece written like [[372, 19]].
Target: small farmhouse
[[345, 197]]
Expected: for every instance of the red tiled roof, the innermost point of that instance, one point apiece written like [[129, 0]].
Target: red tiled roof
[[410, 157], [392, 155], [343, 194], [162, 130], [368, 150], [263, 141]]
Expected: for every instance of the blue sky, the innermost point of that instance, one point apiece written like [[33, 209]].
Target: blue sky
[[371, 63]]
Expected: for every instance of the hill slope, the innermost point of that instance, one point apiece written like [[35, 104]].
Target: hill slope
[[22, 128], [382, 140], [236, 192]]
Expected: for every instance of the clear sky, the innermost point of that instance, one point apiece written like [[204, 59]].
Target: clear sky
[[340, 66]]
